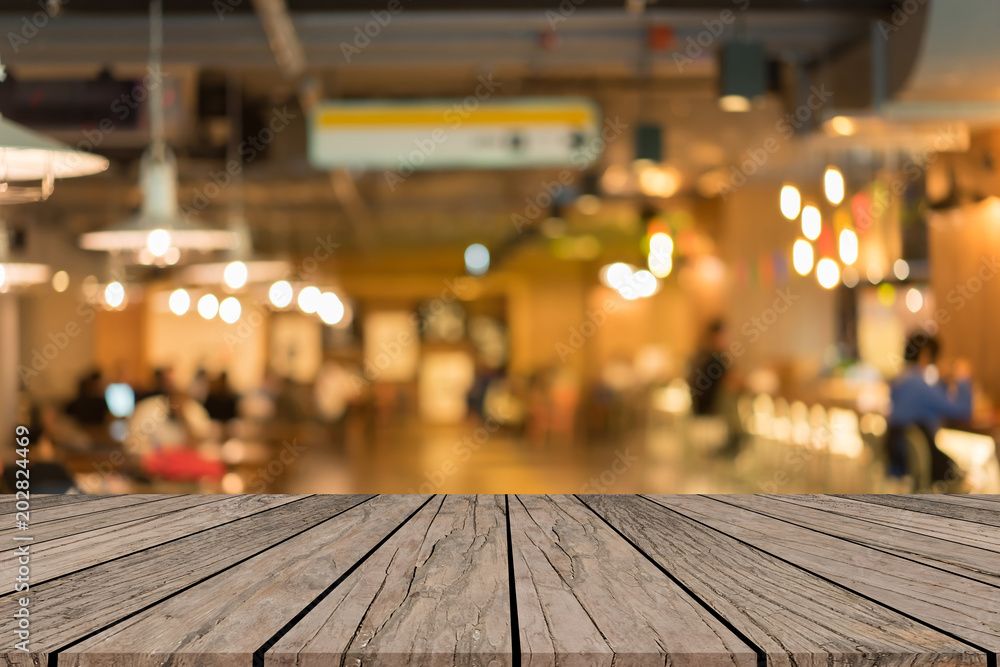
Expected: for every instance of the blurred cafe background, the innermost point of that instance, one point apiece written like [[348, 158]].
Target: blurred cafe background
[[295, 246]]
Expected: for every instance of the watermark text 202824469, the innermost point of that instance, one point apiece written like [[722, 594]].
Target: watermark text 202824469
[[22, 499]]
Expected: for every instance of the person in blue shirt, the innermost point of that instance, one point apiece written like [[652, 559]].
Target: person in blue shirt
[[920, 399]]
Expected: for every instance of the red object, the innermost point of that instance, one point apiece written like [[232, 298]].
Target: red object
[[549, 40], [660, 38], [182, 465]]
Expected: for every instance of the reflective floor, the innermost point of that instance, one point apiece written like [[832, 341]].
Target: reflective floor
[[467, 459]]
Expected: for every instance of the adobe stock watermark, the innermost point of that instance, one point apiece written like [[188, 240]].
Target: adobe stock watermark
[[785, 127], [901, 13], [248, 150], [392, 350], [56, 342], [697, 45], [947, 139], [562, 13], [463, 450], [578, 336], [751, 330], [538, 206], [453, 118], [609, 477], [31, 25], [364, 34], [251, 321]]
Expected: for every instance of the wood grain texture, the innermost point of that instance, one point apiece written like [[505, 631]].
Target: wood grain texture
[[972, 562], [40, 517], [8, 503], [954, 605], [966, 501], [67, 609], [435, 594], [925, 506], [586, 597], [60, 557], [225, 619], [104, 518], [797, 618], [964, 532]]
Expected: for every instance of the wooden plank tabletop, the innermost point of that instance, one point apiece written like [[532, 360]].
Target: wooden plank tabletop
[[580, 581]]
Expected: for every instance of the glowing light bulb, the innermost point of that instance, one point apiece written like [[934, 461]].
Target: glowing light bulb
[[60, 281], [827, 273], [114, 294], [901, 268], [281, 293], [230, 310], [331, 308], [791, 201], [833, 184], [914, 300], [208, 306], [848, 246], [236, 275], [812, 223], [309, 299], [180, 301], [802, 257], [158, 242], [477, 259]]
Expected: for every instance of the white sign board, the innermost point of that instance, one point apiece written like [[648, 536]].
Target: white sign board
[[450, 134]]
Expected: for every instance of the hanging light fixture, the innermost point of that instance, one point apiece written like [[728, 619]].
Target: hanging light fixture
[[243, 266], [27, 156], [159, 234]]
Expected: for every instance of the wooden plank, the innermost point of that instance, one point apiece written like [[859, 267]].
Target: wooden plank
[[972, 534], [585, 595], [981, 496], [110, 516], [796, 617], [57, 558], [435, 594], [70, 608], [920, 504], [104, 504], [225, 619], [954, 557], [957, 606], [966, 501], [8, 503]]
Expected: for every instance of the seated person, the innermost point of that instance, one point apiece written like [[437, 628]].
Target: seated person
[[167, 431], [918, 402]]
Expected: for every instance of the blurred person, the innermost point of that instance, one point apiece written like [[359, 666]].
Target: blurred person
[[89, 408], [220, 400], [333, 391], [168, 420], [920, 398], [48, 474], [713, 385], [201, 385]]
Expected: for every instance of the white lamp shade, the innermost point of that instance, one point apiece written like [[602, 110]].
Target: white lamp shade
[[29, 156]]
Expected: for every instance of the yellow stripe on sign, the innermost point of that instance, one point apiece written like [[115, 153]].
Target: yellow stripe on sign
[[575, 116]]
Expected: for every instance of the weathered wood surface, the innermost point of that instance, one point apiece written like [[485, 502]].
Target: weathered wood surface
[[954, 530], [453, 553], [925, 506], [41, 501], [968, 561], [574, 581], [964, 608], [796, 617], [585, 595]]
